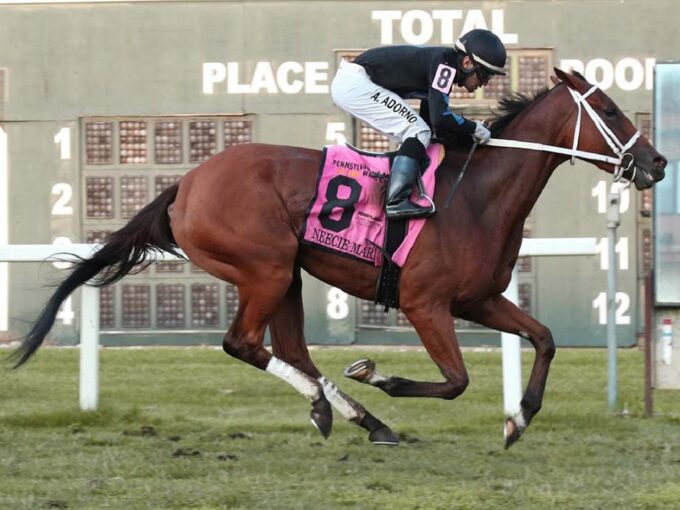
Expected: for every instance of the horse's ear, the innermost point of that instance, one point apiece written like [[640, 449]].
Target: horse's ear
[[555, 80], [568, 79], [578, 75], [561, 75]]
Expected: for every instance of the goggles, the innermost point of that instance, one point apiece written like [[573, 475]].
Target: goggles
[[483, 74]]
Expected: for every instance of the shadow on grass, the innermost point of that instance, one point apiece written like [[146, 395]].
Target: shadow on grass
[[72, 417]]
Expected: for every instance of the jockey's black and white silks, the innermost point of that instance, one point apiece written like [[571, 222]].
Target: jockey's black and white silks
[[376, 86]]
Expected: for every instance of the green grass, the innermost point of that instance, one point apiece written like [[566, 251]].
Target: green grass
[[192, 428]]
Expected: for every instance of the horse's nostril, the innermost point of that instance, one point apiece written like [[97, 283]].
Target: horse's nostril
[[660, 162]]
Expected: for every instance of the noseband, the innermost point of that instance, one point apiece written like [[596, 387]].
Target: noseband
[[624, 160]]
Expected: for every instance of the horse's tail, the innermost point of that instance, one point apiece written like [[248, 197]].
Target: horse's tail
[[123, 251]]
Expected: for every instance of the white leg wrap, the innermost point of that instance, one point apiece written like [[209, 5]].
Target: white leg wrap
[[341, 402], [376, 378], [520, 421], [298, 380]]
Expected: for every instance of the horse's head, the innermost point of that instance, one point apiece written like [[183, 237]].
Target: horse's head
[[602, 128]]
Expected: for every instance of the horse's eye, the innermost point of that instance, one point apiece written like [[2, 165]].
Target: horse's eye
[[610, 111]]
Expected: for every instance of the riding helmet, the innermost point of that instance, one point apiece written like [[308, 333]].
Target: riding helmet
[[485, 49]]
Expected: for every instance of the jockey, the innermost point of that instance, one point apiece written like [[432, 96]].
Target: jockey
[[374, 88]]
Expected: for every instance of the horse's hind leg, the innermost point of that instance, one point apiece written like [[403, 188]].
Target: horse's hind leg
[[288, 344], [501, 314], [258, 301]]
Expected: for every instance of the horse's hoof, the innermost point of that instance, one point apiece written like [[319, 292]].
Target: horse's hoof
[[383, 436], [360, 370], [322, 417], [511, 432]]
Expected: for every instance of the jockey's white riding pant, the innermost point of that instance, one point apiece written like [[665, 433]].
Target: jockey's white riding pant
[[354, 92]]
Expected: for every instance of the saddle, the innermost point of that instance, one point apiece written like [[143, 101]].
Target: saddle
[[347, 213]]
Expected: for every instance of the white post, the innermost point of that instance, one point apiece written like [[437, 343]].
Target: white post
[[89, 348], [512, 358], [613, 221], [4, 230]]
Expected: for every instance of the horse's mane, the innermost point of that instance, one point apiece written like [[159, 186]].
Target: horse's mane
[[511, 106]]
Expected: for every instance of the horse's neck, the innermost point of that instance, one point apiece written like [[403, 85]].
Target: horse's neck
[[513, 186]]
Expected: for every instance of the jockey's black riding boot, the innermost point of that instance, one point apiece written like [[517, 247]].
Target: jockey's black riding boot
[[403, 177]]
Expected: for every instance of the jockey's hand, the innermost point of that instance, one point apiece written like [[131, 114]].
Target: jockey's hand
[[481, 134]]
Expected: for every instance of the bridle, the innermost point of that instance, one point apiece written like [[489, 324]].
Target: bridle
[[622, 163]]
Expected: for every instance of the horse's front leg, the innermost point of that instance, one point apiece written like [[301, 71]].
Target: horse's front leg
[[434, 325], [288, 344], [499, 313]]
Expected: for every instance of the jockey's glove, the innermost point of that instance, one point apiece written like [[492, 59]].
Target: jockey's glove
[[454, 125], [481, 134]]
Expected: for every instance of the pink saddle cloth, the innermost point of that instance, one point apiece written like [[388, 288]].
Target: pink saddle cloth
[[347, 213]]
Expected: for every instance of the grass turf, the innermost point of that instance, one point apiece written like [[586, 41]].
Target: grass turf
[[192, 428]]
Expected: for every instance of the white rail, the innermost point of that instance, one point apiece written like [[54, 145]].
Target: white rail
[[89, 309], [89, 306]]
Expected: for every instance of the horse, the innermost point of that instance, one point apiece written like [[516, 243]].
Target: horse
[[238, 216]]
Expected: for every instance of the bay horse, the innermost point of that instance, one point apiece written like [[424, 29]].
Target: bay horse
[[238, 216]]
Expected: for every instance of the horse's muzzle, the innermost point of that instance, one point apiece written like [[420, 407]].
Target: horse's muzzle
[[650, 168]]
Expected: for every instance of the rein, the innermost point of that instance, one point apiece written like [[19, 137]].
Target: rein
[[620, 149]]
